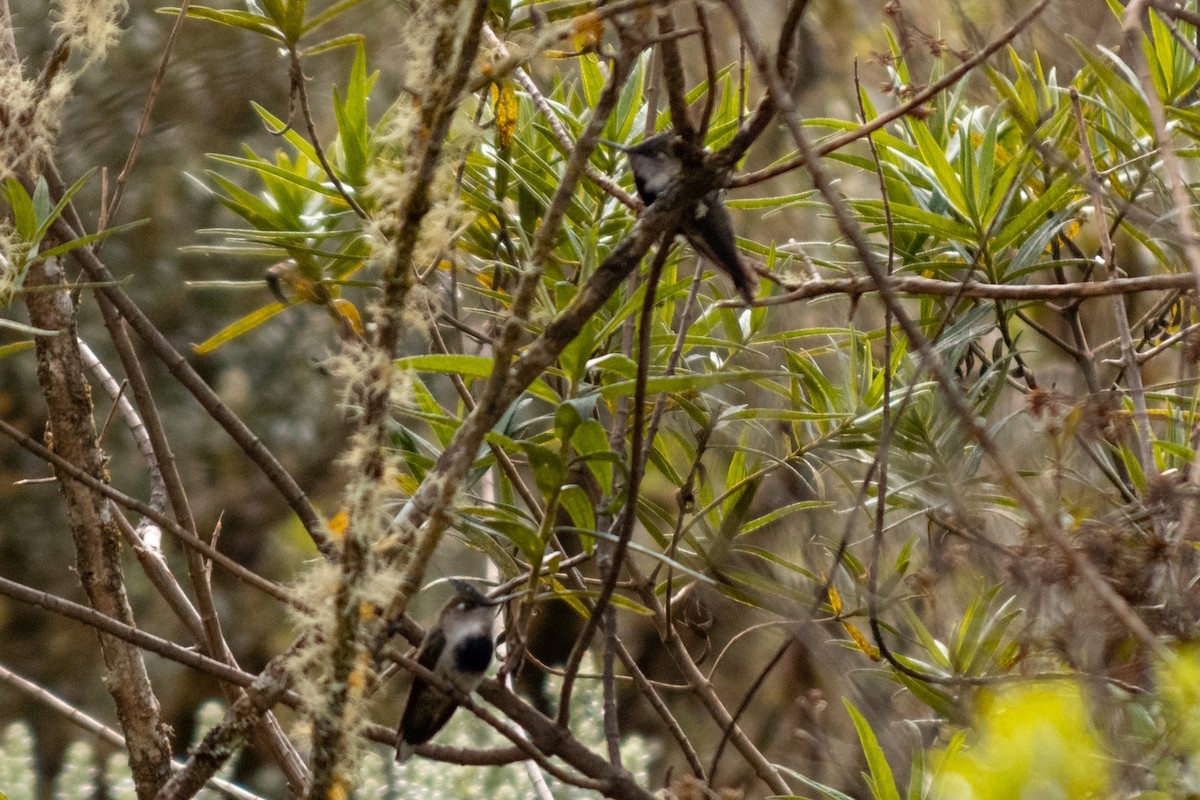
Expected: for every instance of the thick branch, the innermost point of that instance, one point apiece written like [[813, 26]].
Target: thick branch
[[61, 373]]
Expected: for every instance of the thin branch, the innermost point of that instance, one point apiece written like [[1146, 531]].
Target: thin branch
[[919, 286], [454, 47], [269, 736], [159, 573], [527, 748], [509, 378], [137, 428], [301, 94], [9, 54], [1143, 438], [62, 380], [111, 206], [673, 77], [710, 70], [755, 685], [612, 725], [560, 132], [226, 738], [1163, 346], [703, 688], [503, 459], [127, 633]]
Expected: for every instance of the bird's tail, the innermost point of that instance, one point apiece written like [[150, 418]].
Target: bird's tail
[[745, 280]]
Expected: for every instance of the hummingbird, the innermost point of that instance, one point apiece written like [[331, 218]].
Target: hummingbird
[[458, 648], [708, 228]]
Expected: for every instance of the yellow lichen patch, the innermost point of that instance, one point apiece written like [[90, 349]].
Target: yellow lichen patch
[[338, 523], [835, 601], [504, 104], [407, 483], [340, 790], [366, 610], [860, 641], [350, 313], [360, 676]]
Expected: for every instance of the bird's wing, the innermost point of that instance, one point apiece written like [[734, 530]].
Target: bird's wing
[[428, 708], [711, 235]]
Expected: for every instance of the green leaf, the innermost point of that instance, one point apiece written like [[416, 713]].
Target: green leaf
[[466, 366], [781, 512], [292, 136], [590, 440], [48, 219], [16, 347], [575, 501], [28, 330], [255, 23], [828, 791], [686, 383], [84, 241], [353, 127], [571, 414], [24, 217], [933, 156], [268, 170], [548, 469], [883, 785], [335, 10], [593, 79], [243, 325], [1034, 214], [293, 21], [347, 40]]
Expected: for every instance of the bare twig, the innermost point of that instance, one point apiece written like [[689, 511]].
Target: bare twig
[[192, 382], [158, 490], [703, 688], [673, 77], [918, 285], [127, 633], [710, 70], [114, 202], [301, 94], [755, 685], [1143, 437], [226, 738]]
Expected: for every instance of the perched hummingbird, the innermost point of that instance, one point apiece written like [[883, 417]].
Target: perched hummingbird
[[708, 229], [458, 648]]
